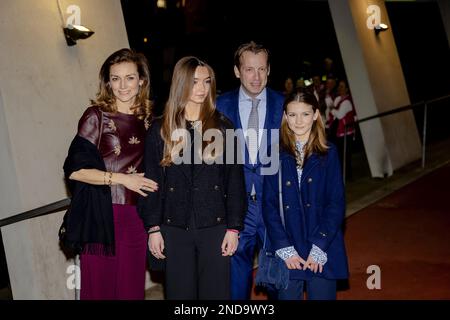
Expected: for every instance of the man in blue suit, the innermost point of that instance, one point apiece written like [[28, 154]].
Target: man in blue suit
[[256, 110]]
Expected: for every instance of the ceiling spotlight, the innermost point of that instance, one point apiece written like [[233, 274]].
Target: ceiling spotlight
[[380, 27], [76, 32]]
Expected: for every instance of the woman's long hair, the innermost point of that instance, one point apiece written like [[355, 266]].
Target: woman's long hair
[[179, 95], [317, 142], [105, 99]]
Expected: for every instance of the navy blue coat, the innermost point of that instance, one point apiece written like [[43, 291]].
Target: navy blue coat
[[313, 214]]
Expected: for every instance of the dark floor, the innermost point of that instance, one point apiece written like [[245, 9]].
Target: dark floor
[[406, 235]]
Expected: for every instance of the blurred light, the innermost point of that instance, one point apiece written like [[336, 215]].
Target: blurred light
[[161, 4], [145, 40]]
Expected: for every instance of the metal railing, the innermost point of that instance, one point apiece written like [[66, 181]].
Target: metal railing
[[41, 211], [425, 104]]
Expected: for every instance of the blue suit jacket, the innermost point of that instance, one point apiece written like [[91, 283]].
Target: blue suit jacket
[[228, 104], [313, 214]]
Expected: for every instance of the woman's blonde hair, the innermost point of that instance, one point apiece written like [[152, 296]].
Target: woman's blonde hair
[[317, 142], [105, 98], [179, 95]]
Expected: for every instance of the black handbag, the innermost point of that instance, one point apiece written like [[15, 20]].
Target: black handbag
[[68, 246], [272, 270], [62, 232]]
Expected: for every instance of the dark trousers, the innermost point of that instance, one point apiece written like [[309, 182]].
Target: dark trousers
[[195, 267], [316, 289], [242, 261]]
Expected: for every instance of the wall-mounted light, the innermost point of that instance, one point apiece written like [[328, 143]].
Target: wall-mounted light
[[73, 30], [76, 32], [380, 27]]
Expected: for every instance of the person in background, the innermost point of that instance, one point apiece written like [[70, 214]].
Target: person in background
[[342, 119], [252, 107], [104, 172], [310, 240], [330, 95], [196, 216], [288, 86]]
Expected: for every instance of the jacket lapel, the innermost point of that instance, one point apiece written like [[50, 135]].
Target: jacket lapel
[[310, 163]]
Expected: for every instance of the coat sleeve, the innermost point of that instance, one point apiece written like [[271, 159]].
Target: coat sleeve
[[150, 208], [271, 213], [236, 196], [334, 204]]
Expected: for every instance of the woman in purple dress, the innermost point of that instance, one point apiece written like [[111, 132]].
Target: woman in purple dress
[[103, 170]]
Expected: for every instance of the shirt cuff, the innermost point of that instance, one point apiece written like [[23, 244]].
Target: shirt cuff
[[318, 255], [286, 253]]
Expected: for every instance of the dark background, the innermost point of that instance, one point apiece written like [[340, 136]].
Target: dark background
[[299, 35]]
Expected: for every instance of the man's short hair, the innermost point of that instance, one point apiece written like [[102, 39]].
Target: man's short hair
[[252, 47]]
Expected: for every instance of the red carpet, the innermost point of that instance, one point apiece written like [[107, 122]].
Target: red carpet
[[407, 235]]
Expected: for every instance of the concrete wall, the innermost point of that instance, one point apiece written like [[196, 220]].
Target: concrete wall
[[44, 88], [444, 7], [377, 84]]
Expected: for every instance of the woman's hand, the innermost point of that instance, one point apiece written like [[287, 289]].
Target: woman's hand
[[230, 243], [312, 265], [138, 183], [294, 262], [156, 245]]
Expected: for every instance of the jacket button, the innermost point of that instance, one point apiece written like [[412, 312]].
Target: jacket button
[[309, 180], [288, 183], [219, 219], [168, 220], [216, 187], [171, 189], [308, 205], [286, 207]]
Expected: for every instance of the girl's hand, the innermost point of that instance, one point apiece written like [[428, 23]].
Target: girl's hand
[[156, 245], [312, 265], [230, 243], [295, 262]]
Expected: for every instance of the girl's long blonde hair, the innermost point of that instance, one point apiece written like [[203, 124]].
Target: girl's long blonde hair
[[317, 142]]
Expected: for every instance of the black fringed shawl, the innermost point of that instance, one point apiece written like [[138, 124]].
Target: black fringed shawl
[[89, 224]]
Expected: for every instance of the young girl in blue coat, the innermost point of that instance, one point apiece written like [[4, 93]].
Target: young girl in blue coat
[[308, 235]]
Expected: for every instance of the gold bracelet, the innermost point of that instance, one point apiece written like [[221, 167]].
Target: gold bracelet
[[110, 178]]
